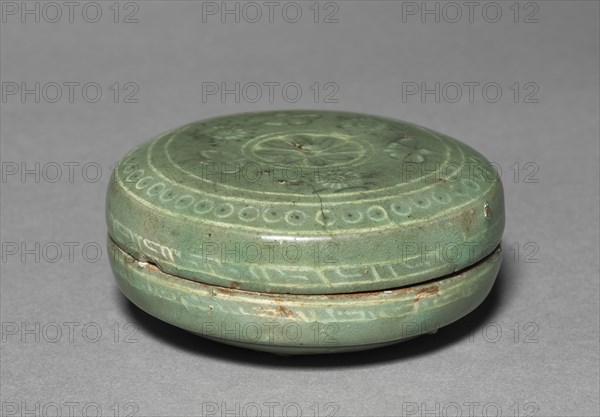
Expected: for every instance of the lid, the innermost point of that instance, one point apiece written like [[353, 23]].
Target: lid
[[305, 202]]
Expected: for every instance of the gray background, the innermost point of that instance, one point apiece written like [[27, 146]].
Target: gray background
[[548, 289]]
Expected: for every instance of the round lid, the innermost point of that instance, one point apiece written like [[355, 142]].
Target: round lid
[[306, 202]]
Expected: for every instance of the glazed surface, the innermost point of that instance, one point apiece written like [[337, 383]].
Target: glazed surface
[[306, 202], [304, 324]]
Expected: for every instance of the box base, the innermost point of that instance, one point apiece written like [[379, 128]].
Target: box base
[[294, 324]]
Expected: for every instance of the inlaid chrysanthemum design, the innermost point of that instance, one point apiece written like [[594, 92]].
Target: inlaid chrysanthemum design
[[338, 179], [406, 149], [229, 134], [306, 149]]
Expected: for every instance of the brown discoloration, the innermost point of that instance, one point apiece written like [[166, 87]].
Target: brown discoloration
[[226, 291], [284, 311], [467, 218], [152, 267], [442, 180], [146, 263], [428, 291], [298, 146]]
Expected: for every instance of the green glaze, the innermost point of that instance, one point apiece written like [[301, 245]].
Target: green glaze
[[304, 324], [304, 203]]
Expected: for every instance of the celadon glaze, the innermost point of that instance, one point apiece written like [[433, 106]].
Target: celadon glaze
[[344, 222], [301, 324]]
